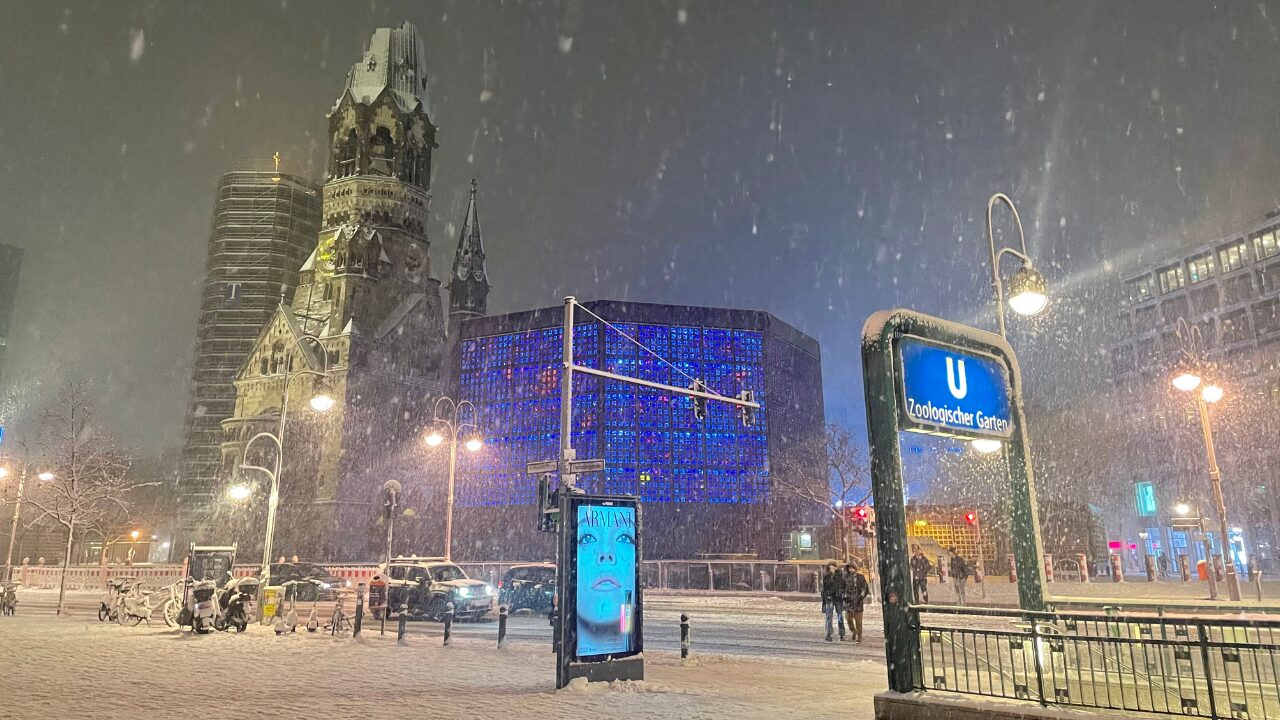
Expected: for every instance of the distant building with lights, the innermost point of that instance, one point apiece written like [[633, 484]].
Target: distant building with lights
[[706, 486], [1228, 288]]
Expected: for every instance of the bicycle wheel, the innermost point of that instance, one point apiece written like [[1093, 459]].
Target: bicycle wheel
[[170, 613], [129, 619], [103, 613]]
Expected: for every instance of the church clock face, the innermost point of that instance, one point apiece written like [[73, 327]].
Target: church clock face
[[324, 254], [414, 261]]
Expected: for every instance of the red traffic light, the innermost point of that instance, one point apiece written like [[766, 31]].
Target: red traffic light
[[971, 517], [860, 512]]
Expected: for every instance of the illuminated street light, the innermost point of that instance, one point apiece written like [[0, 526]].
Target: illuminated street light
[[239, 492], [1186, 381], [1182, 508], [322, 402], [1211, 393], [1027, 291], [452, 421], [4, 472], [986, 446], [134, 535], [46, 476]]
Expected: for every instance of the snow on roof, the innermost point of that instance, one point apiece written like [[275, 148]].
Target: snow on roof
[[395, 59], [408, 303]]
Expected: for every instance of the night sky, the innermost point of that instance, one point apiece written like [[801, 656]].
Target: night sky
[[816, 160]]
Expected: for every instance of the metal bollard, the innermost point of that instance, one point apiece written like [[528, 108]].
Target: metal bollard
[[1257, 582], [404, 617], [355, 629], [684, 636], [448, 622], [502, 624]]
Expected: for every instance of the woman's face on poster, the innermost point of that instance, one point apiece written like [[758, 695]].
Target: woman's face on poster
[[606, 566]]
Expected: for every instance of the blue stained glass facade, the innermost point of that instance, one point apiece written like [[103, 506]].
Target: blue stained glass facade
[[653, 445]]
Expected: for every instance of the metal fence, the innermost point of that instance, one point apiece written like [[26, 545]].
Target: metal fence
[[708, 575], [1198, 667]]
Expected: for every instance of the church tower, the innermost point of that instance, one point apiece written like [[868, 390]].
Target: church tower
[[469, 288], [365, 327]]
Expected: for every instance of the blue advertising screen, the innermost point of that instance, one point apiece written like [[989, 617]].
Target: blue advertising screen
[[606, 579], [955, 392]]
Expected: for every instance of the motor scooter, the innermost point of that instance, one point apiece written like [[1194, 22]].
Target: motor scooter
[[235, 604], [202, 605]]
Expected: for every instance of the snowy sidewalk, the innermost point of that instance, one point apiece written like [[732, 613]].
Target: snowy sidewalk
[[79, 668]]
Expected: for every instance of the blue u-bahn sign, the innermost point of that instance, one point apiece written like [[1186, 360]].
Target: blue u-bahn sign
[[947, 391]]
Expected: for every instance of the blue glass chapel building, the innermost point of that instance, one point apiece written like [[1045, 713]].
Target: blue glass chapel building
[[707, 486]]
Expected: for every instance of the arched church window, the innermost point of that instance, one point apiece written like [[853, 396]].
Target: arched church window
[[348, 151], [382, 153]]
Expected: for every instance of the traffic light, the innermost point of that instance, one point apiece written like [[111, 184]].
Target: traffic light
[[861, 520], [699, 403], [971, 517], [748, 413]]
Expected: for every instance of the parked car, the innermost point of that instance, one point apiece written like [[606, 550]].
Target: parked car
[[326, 585], [427, 585], [528, 587]]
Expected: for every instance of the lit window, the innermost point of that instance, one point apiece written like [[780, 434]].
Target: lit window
[[1146, 497], [1200, 267], [1265, 245], [1232, 256], [1171, 278]]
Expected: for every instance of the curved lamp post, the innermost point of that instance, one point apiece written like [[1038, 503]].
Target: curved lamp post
[[1026, 289], [320, 402], [452, 421]]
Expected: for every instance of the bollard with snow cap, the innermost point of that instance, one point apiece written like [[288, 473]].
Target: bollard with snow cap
[[448, 621]]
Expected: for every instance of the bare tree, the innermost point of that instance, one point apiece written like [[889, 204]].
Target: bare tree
[[829, 470], [86, 483]]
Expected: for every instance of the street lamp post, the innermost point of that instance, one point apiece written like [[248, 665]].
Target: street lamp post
[[453, 422], [1188, 380], [321, 402], [1027, 287]]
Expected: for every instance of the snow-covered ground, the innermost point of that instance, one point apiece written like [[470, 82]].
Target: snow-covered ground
[[78, 668]]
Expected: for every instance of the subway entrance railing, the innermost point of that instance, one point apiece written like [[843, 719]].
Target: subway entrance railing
[[1210, 667]]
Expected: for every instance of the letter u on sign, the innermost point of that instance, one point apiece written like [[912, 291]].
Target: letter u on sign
[[961, 388]]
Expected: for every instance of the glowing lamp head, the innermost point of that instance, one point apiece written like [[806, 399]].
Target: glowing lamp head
[[1211, 393], [134, 535], [474, 444], [1186, 381], [986, 446], [322, 402], [4, 472], [46, 476], [1182, 508], [1027, 291], [434, 439], [239, 492]]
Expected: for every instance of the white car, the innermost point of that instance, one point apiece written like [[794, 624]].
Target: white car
[[428, 585]]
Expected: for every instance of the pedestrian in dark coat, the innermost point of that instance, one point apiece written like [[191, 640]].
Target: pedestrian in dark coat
[[856, 590], [959, 575], [832, 593], [920, 569]]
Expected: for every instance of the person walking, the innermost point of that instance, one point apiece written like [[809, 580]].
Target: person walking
[[832, 593], [959, 575], [856, 590], [920, 569]]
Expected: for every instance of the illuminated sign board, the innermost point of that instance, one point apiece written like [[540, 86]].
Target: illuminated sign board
[[948, 391], [606, 573]]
